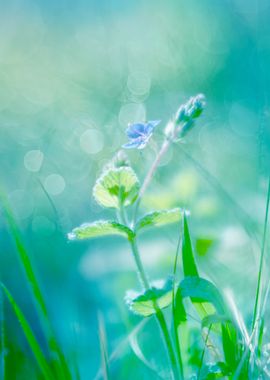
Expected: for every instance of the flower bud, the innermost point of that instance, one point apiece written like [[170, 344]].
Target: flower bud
[[190, 110]]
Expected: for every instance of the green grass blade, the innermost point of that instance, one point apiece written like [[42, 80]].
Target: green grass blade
[[189, 265], [134, 344], [203, 352], [207, 300], [103, 347], [61, 366], [33, 343], [258, 289], [122, 346], [2, 338], [175, 312], [24, 258]]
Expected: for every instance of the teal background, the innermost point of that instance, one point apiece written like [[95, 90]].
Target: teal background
[[72, 75]]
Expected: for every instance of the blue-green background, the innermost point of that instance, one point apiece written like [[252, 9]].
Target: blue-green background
[[72, 75]]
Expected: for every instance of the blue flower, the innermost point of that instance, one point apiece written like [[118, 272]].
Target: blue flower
[[139, 134]]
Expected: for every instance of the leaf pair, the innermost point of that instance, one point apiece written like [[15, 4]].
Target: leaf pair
[[107, 227]]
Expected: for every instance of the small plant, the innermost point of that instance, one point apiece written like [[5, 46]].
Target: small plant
[[224, 351]]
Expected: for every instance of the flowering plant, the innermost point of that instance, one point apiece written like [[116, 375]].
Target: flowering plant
[[119, 188]]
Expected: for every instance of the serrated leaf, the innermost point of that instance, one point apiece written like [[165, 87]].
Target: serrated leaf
[[159, 218], [99, 228], [189, 265], [144, 304], [117, 186]]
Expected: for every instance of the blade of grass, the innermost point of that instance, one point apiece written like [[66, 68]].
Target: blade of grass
[[247, 352], [256, 310], [103, 347], [203, 353], [61, 365], [24, 258], [2, 339], [133, 340], [189, 265], [175, 322], [120, 347], [33, 343]]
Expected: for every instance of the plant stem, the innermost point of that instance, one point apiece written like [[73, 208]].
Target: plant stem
[[150, 174], [141, 272], [203, 353], [159, 314], [258, 290]]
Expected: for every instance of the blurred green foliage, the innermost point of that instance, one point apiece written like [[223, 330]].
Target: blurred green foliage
[[73, 74]]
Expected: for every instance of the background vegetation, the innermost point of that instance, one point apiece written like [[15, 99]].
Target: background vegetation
[[73, 74]]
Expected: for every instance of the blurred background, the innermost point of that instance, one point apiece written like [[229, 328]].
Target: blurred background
[[73, 74]]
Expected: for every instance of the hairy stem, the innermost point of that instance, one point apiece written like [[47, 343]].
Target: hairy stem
[[150, 174], [141, 272], [159, 314]]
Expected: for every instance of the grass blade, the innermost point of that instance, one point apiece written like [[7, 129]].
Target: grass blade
[[61, 366], [203, 353], [134, 344], [189, 265], [2, 339], [175, 312], [103, 347], [122, 345], [258, 289], [33, 343], [24, 258]]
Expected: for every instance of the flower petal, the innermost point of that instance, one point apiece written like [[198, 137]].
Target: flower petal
[[154, 123], [132, 144], [135, 130]]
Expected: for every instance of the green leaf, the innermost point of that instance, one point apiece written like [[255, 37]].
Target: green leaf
[[117, 186], [159, 218], [189, 265], [99, 228], [144, 304], [33, 343], [200, 290], [213, 319], [203, 245], [205, 295], [180, 314]]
